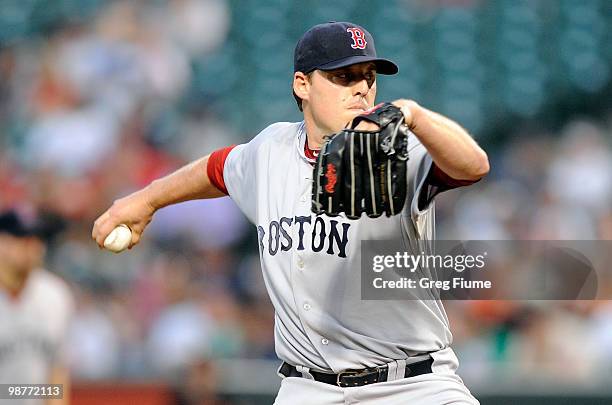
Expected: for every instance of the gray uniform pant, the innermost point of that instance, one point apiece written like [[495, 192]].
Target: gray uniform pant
[[443, 386]]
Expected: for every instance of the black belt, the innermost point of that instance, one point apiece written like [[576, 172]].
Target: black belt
[[356, 378]]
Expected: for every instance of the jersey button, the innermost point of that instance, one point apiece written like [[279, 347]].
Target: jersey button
[[303, 198], [300, 263], [324, 341], [307, 307]]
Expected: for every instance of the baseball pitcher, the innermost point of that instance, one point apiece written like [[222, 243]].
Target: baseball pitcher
[[350, 171]]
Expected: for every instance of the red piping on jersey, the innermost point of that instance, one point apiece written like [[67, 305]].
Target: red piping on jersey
[[215, 165]]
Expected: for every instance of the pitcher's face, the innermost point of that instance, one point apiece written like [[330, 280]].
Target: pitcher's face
[[337, 96]]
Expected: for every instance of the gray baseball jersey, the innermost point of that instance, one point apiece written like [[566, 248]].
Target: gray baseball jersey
[[34, 327], [311, 264]]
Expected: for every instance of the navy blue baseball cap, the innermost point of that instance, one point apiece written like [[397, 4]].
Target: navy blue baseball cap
[[335, 45], [14, 224], [42, 225]]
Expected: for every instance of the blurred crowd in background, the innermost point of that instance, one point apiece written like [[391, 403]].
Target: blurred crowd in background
[[101, 103]]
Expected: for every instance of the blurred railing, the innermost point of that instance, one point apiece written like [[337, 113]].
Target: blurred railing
[[255, 382]]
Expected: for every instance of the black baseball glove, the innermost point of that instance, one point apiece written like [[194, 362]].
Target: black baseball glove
[[364, 171]]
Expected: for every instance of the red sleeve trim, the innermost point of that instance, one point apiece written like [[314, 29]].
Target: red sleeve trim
[[215, 165], [440, 179]]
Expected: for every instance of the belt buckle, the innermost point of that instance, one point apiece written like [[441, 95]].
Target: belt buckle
[[353, 373]]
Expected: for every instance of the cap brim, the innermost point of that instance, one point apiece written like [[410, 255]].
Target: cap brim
[[383, 66]]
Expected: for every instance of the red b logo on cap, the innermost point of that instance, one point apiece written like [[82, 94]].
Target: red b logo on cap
[[359, 41]]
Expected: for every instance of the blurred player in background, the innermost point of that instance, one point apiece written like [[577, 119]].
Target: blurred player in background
[[35, 308]]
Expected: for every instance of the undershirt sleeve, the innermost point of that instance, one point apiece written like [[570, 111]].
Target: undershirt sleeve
[[215, 166], [437, 182]]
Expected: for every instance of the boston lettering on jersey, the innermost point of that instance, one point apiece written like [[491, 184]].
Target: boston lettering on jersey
[[332, 237]]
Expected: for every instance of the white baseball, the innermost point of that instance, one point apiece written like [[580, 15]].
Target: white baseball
[[119, 239]]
